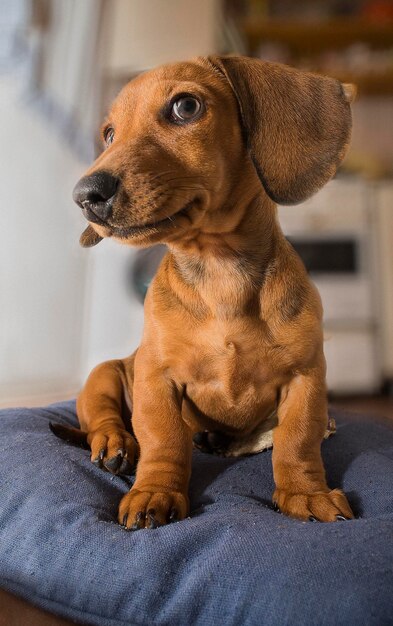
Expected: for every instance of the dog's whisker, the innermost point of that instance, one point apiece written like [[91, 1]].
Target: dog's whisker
[[188, 188], [182, 178], [174, 192], [160, 174], [177, 193]]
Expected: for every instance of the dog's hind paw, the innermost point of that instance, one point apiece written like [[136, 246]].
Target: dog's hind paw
[[114, 450], [212, 442]]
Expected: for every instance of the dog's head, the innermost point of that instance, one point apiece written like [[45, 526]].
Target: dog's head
[[188, 143]]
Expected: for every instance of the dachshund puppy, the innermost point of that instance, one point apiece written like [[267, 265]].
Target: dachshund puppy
[[197, 155]]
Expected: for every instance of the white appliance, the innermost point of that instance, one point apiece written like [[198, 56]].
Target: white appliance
[[384, 222], [335, 234]]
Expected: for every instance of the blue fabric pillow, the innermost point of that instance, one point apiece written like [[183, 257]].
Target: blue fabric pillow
[[234, 561]]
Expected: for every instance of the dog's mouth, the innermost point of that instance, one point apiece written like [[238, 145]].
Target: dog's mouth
[[147, 228], [156, 226]]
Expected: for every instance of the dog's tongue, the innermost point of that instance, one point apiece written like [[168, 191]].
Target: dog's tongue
[[89, 238]]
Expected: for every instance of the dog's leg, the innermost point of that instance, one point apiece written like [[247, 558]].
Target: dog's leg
[[301, 489], [103, 407], [160, 491]]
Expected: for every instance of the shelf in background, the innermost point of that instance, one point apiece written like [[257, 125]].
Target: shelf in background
[[367, 84], [304, 37], [307, 39]]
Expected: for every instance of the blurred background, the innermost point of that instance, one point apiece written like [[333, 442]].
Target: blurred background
[[64, 309]]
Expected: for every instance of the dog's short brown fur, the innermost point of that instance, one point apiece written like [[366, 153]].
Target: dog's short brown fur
[[233, 331]]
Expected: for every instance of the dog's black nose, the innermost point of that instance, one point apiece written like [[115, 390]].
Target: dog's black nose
[[95, 195]]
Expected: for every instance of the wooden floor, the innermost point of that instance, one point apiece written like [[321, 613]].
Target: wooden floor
[[370, 405]]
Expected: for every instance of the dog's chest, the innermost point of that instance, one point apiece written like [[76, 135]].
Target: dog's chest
[[229, 373]]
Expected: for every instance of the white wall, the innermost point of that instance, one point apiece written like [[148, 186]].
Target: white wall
[[42, 267], [384, 218], [151, 32]]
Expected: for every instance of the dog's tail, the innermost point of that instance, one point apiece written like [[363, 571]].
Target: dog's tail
[[71, 435]]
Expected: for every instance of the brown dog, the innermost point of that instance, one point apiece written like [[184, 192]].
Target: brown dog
[[197, 154]]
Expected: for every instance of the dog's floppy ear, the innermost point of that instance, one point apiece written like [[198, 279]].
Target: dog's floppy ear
[[297, 125]]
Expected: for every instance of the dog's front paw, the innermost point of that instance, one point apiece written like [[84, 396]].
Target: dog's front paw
[[113, 449], [148, 509], [320, 506]]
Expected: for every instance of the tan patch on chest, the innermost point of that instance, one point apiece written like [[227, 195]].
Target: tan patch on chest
[[228, 376]]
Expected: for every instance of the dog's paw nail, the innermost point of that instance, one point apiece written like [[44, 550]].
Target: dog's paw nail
[[113, 464], [341, 518], [139, 521], [121, 452], [173, 516], [151, 520], [97, 462], [125, 518], [312, 519], [275, 506], [125, 468]]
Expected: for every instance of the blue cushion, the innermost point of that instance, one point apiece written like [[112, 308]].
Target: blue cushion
[[234, 561]]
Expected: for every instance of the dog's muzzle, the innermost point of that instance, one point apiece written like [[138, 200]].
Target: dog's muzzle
[[95, 195]]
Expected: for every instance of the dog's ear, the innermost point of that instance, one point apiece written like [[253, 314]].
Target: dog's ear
[[89, 238], [297, 125]]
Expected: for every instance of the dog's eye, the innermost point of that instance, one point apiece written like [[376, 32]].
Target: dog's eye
[[109, 135], [185, 109]]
